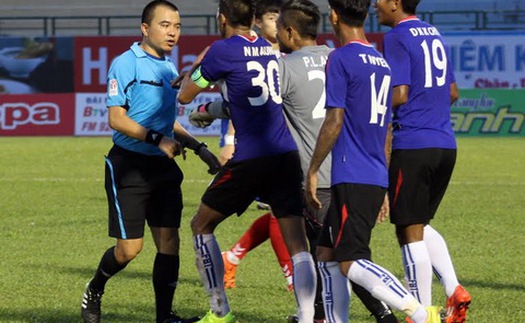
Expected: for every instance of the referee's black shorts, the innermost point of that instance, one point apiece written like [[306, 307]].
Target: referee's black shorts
[[141, 188], [351, 217], [418, 179], [276, 180]]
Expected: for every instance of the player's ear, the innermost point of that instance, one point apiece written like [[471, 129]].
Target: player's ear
[[144, 29], [396, 5], [221, 18], [290, 33], [333, 16]]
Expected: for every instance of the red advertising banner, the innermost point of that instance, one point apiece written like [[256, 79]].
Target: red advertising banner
[[37, 115], [93, 55]]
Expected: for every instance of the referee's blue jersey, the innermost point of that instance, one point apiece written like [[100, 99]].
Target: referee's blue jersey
[[140, 83]]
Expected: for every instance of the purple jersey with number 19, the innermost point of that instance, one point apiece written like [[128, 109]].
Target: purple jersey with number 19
[[250, 71], [418, 56], [358, 81]]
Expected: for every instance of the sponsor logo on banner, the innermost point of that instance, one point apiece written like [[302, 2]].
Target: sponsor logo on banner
[[489, 112], [488, 61], [37, 114], [91, 115]]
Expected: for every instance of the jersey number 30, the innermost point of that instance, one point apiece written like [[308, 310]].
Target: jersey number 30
[[267, 87]]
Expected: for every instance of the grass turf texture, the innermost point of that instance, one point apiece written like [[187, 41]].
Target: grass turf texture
[[54, 231]]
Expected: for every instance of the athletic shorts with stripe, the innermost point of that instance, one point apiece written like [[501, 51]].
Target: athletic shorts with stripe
[[418, 179], [351, 217], [276, 180], [141, 188]]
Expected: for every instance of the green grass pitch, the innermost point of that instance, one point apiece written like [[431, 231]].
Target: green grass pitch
[[54, 230]]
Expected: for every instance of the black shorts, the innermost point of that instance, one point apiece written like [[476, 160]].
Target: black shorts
[[314, 218], [418, 180], [141, 188], [276, 180], [351, 217]]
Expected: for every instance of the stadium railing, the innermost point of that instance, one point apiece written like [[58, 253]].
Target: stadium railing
[[35, 26]]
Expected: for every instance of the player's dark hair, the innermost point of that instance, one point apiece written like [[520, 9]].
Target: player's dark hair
[[351, 12], [409, 6], [147, 13], [267, 6], [238, 12], [303, 15]]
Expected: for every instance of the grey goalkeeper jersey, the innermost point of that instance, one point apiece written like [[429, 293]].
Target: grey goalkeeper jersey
[[304, 97]]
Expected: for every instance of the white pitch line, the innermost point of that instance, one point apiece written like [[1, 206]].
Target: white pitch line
[[64, 179]]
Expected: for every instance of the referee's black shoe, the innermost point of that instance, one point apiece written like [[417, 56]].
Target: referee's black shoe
[[91, 305], [174, 318]]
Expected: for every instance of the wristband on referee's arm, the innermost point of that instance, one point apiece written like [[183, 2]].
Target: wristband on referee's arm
[[153, 137]]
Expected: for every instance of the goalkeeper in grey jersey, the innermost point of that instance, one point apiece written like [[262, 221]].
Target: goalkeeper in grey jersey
[[302, 79]]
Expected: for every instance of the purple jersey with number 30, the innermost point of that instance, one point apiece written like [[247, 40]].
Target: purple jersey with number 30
[[358, 81], [418, 56], [250, 71]]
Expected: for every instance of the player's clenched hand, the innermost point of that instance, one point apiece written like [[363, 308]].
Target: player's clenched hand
[[384, 212], [200, 117], [210, 159], [311, 189], [170, 147]]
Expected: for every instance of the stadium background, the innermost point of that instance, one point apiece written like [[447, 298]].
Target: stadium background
[[54, 57]]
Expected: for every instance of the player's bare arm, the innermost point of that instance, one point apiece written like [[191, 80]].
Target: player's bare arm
[[399, 95], [193, 83], [121, 122], [454, 93], [327, 137]]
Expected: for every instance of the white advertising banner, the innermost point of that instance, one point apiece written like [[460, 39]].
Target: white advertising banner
[[488, 61], [91, 115]]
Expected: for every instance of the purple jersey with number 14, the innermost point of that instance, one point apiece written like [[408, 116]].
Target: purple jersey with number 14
[[250, 71], [358, 81]]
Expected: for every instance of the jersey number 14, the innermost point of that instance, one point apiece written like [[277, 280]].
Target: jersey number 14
[[379, 99]]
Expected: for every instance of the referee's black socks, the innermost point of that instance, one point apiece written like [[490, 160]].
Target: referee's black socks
[[107, 268]]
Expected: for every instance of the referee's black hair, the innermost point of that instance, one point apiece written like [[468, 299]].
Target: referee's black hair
[[351, 12], [238, 12], [147, 13], [409, 6], [303, 15], [267, 6]]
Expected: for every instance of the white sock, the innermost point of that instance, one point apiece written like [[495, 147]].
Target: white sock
[[420, 315], [441, 260], [383, 286], [418, 271], [336, 292], [211, 269], [304, 281]]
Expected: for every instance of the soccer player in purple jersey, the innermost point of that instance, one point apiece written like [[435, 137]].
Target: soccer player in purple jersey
[[266, 162], [424, 149], [355, 130]]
